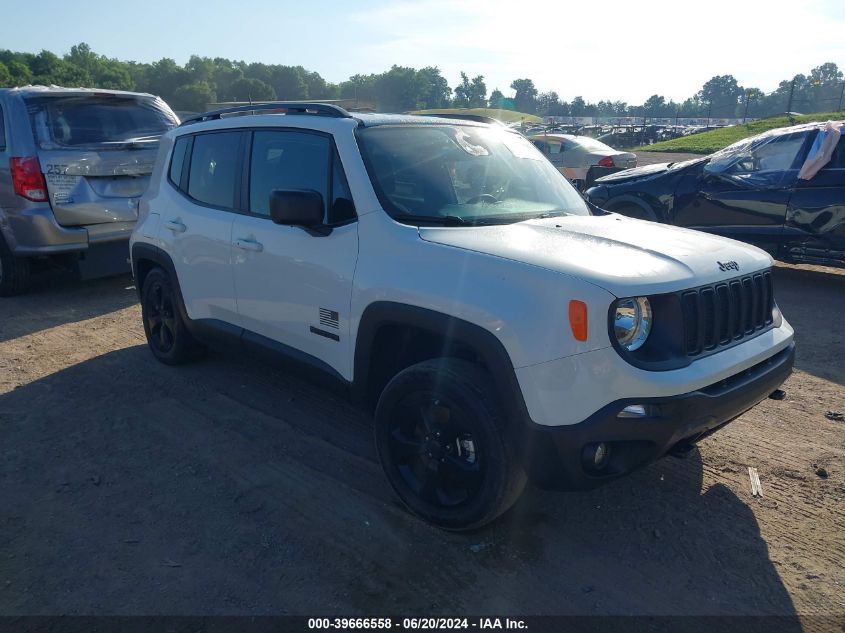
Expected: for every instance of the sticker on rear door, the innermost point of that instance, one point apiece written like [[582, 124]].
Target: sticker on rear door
[[61, 186]]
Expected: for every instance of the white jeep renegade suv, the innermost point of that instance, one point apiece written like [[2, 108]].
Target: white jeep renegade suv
[[453, 280]]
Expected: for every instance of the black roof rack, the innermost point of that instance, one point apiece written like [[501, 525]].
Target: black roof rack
[[288, 107], [462, 116]]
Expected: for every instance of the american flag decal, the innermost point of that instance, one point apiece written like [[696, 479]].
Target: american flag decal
[[329, 318]]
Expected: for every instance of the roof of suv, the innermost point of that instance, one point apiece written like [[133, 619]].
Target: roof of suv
[[307, 108], [60, 91]]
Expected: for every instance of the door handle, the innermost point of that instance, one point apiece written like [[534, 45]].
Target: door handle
[[249, 245], [176, 226]]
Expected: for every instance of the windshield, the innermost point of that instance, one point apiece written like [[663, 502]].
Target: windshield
[[97, 120], [591, 144], [463, 175]]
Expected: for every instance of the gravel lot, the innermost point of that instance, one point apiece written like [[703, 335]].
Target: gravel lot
[[233, 487]]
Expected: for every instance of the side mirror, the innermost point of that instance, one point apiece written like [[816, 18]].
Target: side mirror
[[296, 207]]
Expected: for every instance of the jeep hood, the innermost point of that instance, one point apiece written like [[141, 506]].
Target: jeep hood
[[624, 256], [646, 171]]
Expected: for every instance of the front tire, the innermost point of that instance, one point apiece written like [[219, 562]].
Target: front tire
[[167, 335], [442, 443]]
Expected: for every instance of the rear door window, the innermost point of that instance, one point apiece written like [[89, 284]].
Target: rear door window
[[213, 173], [2, 130], [86, 121]]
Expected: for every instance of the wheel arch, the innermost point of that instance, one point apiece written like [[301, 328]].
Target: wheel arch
[[648, 207], [392, 336], [145, 257]]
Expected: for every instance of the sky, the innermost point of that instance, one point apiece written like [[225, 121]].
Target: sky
[[606, 49]]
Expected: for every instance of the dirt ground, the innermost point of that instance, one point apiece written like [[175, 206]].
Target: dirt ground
[[233, 487]]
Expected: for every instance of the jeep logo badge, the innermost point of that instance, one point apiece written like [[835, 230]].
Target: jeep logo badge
[[728, 266]]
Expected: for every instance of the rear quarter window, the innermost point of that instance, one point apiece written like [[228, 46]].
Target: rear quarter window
[[177, 160], [2, 130]]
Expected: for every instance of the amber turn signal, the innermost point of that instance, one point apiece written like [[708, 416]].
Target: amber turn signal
[[578, 319]]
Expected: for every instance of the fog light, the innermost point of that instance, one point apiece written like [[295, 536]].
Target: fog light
[[595, 456], [633, 411]]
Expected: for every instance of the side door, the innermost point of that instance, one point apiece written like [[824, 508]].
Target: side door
[[815, 221], [196, 220], [745, 195], [293, 285]]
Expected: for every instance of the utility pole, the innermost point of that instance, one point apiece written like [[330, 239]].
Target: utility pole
[[841, 94], [791, 92], [745, 113], [642, 134], [709, 110]]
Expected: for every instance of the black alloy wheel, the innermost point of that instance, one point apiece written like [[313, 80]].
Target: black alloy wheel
[[167, 335], [436, 454], [442, 441], [159, 315]]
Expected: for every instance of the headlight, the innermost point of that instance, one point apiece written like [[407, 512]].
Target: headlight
[[632, 322]]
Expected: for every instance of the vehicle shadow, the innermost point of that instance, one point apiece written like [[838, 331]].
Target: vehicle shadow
[[231, 487], [654, 543], [58, 299], [813, 301]]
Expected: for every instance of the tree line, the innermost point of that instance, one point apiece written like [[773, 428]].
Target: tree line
[[204, 80]]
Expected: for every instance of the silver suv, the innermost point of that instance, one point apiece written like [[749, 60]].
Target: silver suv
[[73, 164]]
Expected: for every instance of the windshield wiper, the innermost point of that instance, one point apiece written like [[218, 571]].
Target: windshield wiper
[[513, 218], [550, 214], [141, 139], [439, 220]]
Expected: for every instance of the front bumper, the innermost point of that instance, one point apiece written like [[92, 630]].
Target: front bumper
[[553, 455]]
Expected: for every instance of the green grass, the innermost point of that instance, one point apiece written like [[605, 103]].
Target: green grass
[[714, 140], [506, 116]]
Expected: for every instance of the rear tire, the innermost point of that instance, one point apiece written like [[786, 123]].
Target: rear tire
[[443, 446], [167, 335], [14, 272]]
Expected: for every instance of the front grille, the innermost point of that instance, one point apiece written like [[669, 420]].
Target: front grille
[[722, 314]]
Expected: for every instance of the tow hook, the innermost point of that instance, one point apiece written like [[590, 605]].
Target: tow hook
[[777, 394]]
